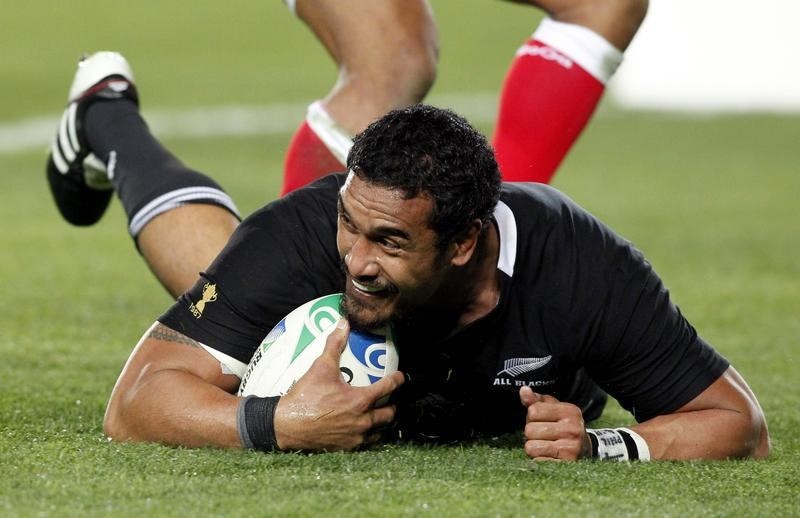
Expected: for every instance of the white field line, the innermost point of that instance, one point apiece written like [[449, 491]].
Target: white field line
[[37, 132]]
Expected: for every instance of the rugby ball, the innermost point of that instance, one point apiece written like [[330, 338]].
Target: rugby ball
[[295, 342]]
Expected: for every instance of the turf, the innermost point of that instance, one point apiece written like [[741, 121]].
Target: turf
[[711, 200]]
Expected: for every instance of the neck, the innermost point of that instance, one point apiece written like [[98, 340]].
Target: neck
[[476, 286]]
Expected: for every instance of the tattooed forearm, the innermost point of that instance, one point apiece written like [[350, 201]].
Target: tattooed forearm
[[165, 334]]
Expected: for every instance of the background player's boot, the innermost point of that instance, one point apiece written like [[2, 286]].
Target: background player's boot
[[78, 179]]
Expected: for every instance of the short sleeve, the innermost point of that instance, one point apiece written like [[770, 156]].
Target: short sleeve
[[622, 324], [278, 258], [602, 307]]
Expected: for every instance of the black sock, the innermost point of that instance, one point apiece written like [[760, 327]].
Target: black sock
[[149, 180]]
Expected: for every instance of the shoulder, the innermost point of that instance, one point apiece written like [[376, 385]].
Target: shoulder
[[565, 255], [540, 203], [547, 214], [283, 254], [547, 219], [317, 200], [305, 219], [533, 195]]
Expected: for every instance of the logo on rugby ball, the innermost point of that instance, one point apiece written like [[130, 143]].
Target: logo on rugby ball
[[370, 350]]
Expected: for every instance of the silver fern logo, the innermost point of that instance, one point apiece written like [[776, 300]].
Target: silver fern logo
[[516, 366]]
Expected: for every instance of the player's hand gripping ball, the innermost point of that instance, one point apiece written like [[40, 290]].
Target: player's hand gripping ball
[[296, 341]]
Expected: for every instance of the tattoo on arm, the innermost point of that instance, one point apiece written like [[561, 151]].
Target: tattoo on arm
[[165, 334]]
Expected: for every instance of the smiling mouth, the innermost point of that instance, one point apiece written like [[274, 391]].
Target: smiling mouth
[[373, 289], [366, 288]]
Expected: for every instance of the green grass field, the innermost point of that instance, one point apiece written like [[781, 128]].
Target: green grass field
[[711, 200]]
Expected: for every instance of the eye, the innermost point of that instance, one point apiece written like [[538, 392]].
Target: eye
[[389, 244], [345, 219]]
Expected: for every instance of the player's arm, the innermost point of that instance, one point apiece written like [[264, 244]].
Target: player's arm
[[723, 421], [173, 391]]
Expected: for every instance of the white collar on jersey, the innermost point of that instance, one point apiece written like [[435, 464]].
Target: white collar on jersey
[[507, 228]]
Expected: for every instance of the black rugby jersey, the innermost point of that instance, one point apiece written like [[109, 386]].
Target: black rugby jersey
[[575, 297]]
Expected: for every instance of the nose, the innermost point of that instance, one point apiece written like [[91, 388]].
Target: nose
[[361, 260]]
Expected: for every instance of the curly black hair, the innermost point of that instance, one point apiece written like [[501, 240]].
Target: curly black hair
[[426, 151]]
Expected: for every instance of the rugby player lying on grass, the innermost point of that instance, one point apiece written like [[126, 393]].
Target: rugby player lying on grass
[[515, 309]]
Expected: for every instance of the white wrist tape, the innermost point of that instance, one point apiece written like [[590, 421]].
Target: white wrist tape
[[620, 444]]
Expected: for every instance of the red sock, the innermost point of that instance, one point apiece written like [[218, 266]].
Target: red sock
[[548, 98], [307, 159]]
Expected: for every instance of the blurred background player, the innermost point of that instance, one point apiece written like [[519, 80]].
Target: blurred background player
[[387, 54]]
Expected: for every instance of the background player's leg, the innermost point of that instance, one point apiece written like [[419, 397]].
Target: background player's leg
[[556, 80], [386, 52]]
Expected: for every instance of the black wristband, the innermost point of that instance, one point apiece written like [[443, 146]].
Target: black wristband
[[255, 420]]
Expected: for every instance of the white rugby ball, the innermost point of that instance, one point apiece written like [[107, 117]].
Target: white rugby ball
[[295, 342]]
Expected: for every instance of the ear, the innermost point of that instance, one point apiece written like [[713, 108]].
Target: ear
[[464, 247]]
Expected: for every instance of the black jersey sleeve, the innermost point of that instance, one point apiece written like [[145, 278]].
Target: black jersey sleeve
[[639, 347], [646, 353], [608, 311], [278, 258]]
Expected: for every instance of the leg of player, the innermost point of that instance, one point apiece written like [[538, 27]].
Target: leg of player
[[180, 243], [179, 217], [386, 52], [557, 79]]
